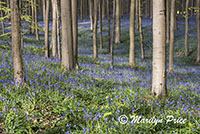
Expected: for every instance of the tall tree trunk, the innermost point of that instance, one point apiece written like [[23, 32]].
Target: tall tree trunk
[[8, 6], [95, 49], [140, 29], [151, 9], [54, 28], [171, 51], [91, 5], [186, 28], [19, 75], [58, 28], [147, 8], [191, 10], [121, 3], [2, 21], [47, 29], [198, 31], [175, 17], [158, 77], [81, 9], [36, 21], [103, 9], [167, 21], [117, 37], [67, 39], [137, 14], [29, 23], [132, 35], [113, 35], [75, 30], [44, 9], [108, 17], [33, 16], [100, 25]]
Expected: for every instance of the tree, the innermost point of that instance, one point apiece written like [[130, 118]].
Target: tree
[[36, 21], [47, 29], [172, 26], [43, 11], [67, 39], [186, 28], [158, 77], [198, 32], [113, 35], [108, 18], [75, 30], [167, 21], [140, 29], [95, 49], [33, 16], [132, 35], [2, 21], [100, 25], [58, 28], [103, 8], [117, 37], [54, 28], [137, 14], [19, 75], [91, 5], [29, 13]]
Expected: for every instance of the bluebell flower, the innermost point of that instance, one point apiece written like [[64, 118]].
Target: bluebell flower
[[85, 130], [68, 132]]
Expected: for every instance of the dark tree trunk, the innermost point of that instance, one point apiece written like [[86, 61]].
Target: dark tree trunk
[[108, 17]]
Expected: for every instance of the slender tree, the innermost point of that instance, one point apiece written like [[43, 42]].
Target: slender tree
[[172, 27], [158, 77], [33, 16], [54, 28], [108, 18], [137, 14], [81, 9], [91, 5], [43, 10], [47, 29], [103, 9], [167, 21], [29, 13], [67, 37], [36, 21], [75, 31], [2, 21], [191, 5], [95, 49], [100, 25], [198, 31], [117, 37], [186, 28], [140, 29], [19, 75], [113, 35], [151, 9], [132, 35], [58, 28]]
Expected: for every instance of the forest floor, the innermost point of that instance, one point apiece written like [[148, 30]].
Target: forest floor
[[93, 98]]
